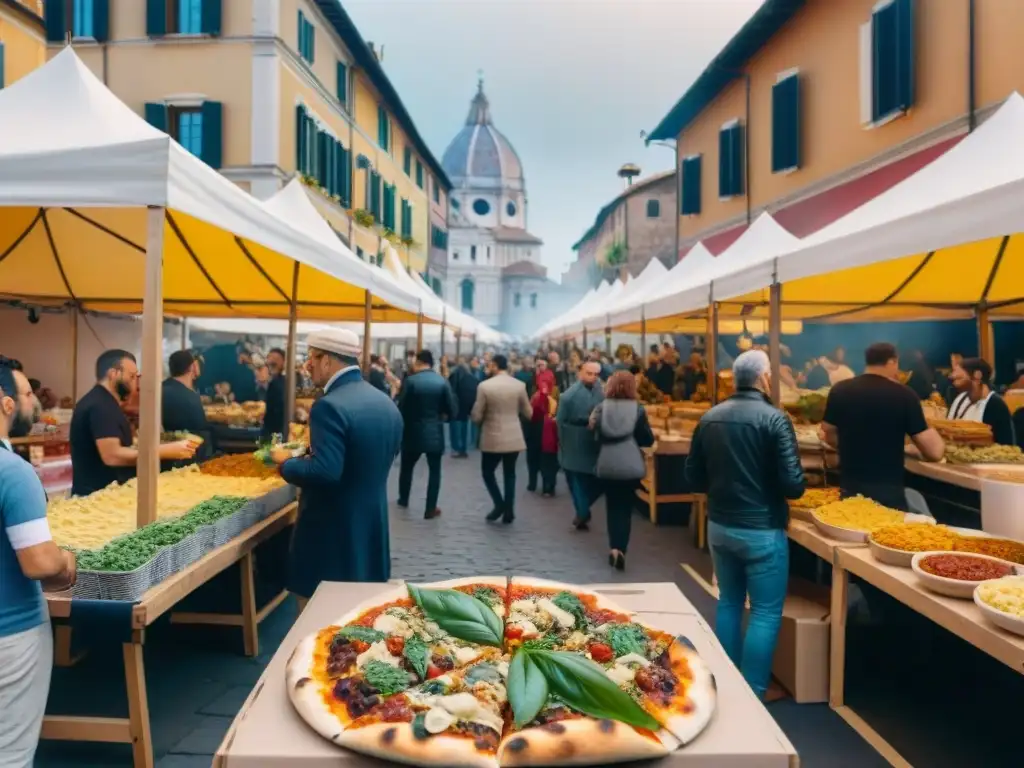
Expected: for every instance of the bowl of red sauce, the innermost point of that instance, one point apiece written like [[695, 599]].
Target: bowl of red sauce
[[956, 574]]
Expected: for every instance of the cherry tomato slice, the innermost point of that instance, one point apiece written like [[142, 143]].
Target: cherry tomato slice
[[433, 671], [513, 632], [395, 645], [600, 652]]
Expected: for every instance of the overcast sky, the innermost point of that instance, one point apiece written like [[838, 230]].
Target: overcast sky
[[571, 84]]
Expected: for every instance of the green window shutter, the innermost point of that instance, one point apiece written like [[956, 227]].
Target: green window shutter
[[210, 22], [419, 174], [312, 41], [375, 195], [905, 53], [344, 176], [3, 81], [56, 21], [300, 138], [690, 192], [892, 59], [101, 20], [786, 124], [156, 115], [342, 87], [321, 157], [383, 134], [653, 209], [389, 207], [730, 161], [406, 218], [156, 17], [407, 161], [213, 133], [437, 191]]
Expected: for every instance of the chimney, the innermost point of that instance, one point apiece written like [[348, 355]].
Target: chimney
[[373, 49]]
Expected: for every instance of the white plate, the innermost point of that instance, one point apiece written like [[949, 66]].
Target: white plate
[[951, 587], [1007, 621], [890, 556]]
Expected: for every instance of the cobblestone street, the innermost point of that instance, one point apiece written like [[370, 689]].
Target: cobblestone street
[[197, 677]]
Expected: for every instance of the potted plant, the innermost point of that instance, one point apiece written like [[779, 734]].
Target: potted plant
[[363, 217], [408, 241], [390, 236]]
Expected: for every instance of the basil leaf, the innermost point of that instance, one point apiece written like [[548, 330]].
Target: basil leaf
[[365, 634], [417, 654], [527, 688], [585, 687], [385, 678], [568, 602], [627, 638], [460, 615]]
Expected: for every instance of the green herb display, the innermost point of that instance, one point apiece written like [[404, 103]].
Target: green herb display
[[135, 549], [542, 643], [571, 604], [626, 638], [460, 615], [417, 653], [365, 634], [385, 678], [527, 688]]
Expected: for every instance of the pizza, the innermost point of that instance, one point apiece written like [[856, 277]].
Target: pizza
[[492, 671]]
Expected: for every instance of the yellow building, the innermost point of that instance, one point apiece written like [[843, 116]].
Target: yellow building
[[22, 42], [263, 90], [815, 106]]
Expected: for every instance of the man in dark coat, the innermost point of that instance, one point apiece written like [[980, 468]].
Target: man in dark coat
[[182, 408], [425, 402], [463, 383], [355, 432], [275, 420], [577, 447]]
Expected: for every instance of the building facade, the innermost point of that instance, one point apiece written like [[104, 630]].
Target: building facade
[[816, 106], [266, 89], [22, 39], [635, 227], [493, 270]]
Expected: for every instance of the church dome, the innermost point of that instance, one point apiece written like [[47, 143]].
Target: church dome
[[480, 155]]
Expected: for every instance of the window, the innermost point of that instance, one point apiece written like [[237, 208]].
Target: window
[[360, 253], [456, 204], [730, 160], [533, 301], [439, 238], [2, 81], [199, 129], [653, 209], [786, 123], [374, 195], [467, 295], [488, 253], [887, 61], [481, 207], [437, 192], [406, 219], [407, 161], [455, 255], [689, 194], [436, 285], [187, 129], [189, 16], [389, 207], [82, 15], [82, 18], [306, 38], [515, 300], [383, 129], [510, 208], [341, 89], [472, 253], [419, 174]]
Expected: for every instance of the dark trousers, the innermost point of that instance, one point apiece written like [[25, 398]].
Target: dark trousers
[[585, 489], [459, 432], [488, 464], [619, 498], [548, 472], [533, 454], [409, 459]]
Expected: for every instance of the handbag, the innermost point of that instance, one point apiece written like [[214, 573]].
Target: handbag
[[620, 458]]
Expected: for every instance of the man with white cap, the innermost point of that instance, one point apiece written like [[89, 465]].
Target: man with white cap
[[744, 456], [355, 433]]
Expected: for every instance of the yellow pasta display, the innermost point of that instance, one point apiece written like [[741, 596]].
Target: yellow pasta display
[[816, 497], [858, 514], [89, 522], [916, 537]]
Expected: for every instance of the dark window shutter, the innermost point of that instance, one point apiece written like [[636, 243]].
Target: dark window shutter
[[883, 61], [156, 17], [723, 164], [156, 115], [300, 138], [211, 17], [332, 167], [905, 50], [56, 21], [345, 176], [101, 20], [653, 209], [690, 193], [312, 41], [786, 124], [3, 81], [738, 180], [382, 128], [730, 161], [213, 133], [375, 195], [419, 174], [407, 161], [342, 89]]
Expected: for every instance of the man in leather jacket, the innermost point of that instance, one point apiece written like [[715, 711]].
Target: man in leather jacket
[[744, 456]]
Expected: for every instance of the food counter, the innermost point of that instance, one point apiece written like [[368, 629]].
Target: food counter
[[268, 732]]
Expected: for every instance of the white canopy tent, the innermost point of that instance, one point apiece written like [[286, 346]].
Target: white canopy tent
[[580, 306], [651, 275], [484, 333], [605, 292]]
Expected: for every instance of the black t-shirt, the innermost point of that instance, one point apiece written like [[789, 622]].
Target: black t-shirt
[[873, 416], [97, 415], [183, 412]]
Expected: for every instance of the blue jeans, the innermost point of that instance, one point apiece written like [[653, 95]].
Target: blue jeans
[[752, 562], [458, 431], [585, 490]]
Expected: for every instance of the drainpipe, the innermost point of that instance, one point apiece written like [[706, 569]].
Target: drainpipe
[[350, 109], [746, 145], [971, 67]]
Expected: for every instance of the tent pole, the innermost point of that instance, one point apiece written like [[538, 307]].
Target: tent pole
[[458, 344], [643, 339], [986, 345], [148, 464], [419, 329], [774, 340], [367, 314], [184, 333], [74, 353], [584, 343], [711, 353], [608, 339], [444, 323], [291, 353]]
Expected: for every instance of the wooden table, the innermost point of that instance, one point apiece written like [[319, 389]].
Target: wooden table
[[135, 729], [961, 617]]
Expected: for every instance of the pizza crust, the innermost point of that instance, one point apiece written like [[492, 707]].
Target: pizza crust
[[305, 691], [702, 693], [581, 741], [500, 582], [396, 742], [601, 602], [389, 595]]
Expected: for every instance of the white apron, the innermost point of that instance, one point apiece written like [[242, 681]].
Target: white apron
[[963, 409]]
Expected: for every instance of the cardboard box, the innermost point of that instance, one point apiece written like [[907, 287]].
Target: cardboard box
[[802, 654], [268, 733]]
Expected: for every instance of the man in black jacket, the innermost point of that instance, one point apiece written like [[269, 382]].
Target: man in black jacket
[[463, 383], [425, 402], [275, 421], [744, 456]]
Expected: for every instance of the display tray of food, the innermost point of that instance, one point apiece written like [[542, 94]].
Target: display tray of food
[[853, 519], [813, 498], [961, 431], [245, 414], [897, 544], [957, 574], [988, 454], [1002, 602], [495, 671]]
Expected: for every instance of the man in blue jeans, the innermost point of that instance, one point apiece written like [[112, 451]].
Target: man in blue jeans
[[744, 456]]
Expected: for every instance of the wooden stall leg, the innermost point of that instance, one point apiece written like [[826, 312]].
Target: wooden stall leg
[[652, 492], [700, 508], [250, 622], [63, 656], [138, 705], [837, 660]]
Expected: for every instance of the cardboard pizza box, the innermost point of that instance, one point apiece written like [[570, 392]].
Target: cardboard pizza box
[[268, 733]]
